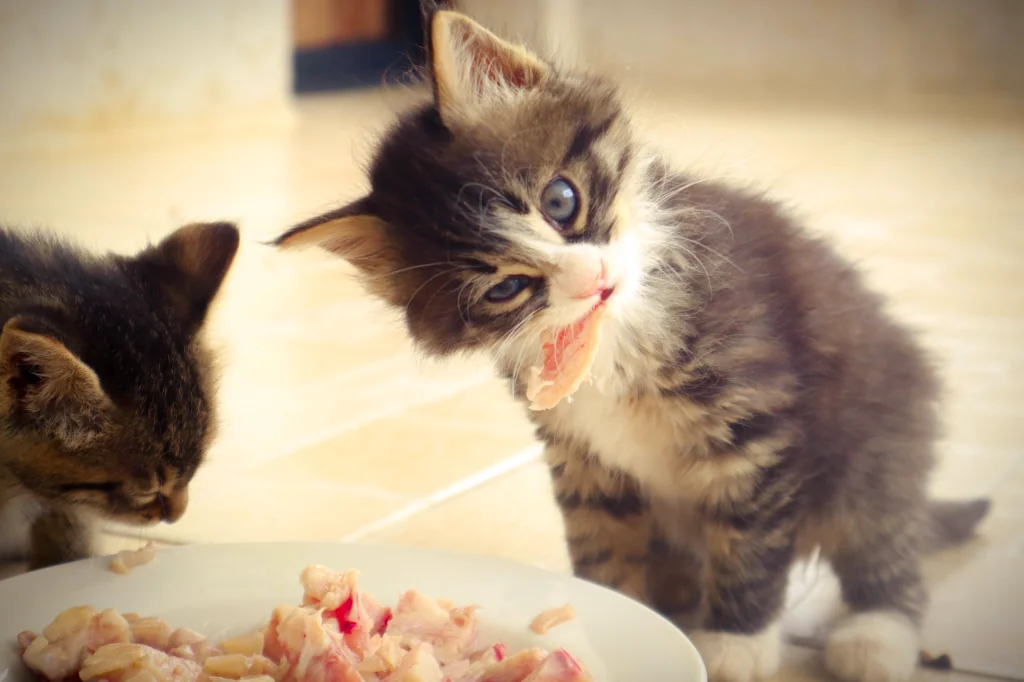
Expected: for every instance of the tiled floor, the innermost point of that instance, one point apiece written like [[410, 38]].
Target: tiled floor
[[334, 429]]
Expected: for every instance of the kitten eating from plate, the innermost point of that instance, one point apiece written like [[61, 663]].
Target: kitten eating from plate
[[751, 399], [106, 404]]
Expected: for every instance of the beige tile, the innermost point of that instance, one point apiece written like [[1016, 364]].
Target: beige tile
[[513, 517], [976, 600], [419, 450], [242, 507], [261, 424], [331, 423], [978, 597], [801, 664]]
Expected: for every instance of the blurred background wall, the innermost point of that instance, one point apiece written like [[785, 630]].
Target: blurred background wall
[[880, 48], [87, 65], [101, 64]]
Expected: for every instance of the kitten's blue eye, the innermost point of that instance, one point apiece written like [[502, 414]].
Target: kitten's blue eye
[[559, 202], [507, 288]]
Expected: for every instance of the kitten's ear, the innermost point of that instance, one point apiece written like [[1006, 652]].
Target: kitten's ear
[[190, 265], [48, 386], [471, 65], [353, 233]]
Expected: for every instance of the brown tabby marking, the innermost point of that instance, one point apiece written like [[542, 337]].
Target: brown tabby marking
[[752, 399], [105, 387]]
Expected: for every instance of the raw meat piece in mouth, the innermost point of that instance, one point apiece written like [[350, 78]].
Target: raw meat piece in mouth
[[569, 353]]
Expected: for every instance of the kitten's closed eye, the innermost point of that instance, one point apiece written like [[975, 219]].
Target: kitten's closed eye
[[508, 288], [103, 487]]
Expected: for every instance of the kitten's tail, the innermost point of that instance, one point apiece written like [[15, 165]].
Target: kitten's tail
[[952, 522]]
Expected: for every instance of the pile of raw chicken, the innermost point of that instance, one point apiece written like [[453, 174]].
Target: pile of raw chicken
[[339, 634]]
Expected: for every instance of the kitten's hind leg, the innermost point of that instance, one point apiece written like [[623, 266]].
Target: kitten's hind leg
[[59, 536], [881, 583]]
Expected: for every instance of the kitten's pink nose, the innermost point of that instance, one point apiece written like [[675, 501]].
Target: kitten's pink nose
[[595, 289], [588, 279]]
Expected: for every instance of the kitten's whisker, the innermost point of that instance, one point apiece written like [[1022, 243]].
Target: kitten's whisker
[[512, 338], [484, 190], [399, 271], [426, 305], [463, 314], [512, 335], [523, 351], [428, 281]]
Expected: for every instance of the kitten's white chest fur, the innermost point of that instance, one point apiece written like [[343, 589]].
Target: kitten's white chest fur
[[641, 443], [663, 446], [17, 512], [636, 436]]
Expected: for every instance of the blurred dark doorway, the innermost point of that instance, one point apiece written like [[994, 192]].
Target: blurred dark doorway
[[342, 44]]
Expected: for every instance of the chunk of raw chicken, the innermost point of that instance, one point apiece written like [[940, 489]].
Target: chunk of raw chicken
[[358, 614], [552, 618], [239, 666], [568, 355], [137, 662], [418, 665], [191, 645], [124, 561], [250, 644], [154, 632], [72, 636], [514, 668], [339, 634], [298, 636], [419, 618], [560, 666]]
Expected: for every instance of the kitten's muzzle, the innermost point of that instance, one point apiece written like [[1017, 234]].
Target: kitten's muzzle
[[172, 507]]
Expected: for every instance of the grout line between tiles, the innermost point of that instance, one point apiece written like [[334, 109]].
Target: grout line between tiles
[[454, 490]]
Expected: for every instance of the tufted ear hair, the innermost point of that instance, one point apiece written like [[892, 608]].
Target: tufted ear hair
[[190, 265], [45, 386], [351, 232], [358, 236], [472, 67]]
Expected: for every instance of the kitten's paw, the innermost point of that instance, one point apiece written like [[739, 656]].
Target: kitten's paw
[[739, 658], [878, 646]]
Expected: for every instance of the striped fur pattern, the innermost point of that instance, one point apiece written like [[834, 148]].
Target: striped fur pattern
[[105, 400], [752, 400]]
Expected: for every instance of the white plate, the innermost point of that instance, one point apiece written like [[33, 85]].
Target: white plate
[[227, 589]]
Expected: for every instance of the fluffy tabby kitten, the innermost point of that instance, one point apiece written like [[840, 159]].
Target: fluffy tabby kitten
[[752, 399], [105, 405]]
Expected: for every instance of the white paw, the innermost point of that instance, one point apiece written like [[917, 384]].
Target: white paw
[[739, 658], [878, 646]]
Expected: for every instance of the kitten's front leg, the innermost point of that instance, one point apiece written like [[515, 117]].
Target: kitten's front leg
[[59, 536], [607, 520], [750, 547]]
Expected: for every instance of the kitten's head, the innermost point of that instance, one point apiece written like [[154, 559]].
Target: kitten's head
[[105, 387], [504, 207]]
